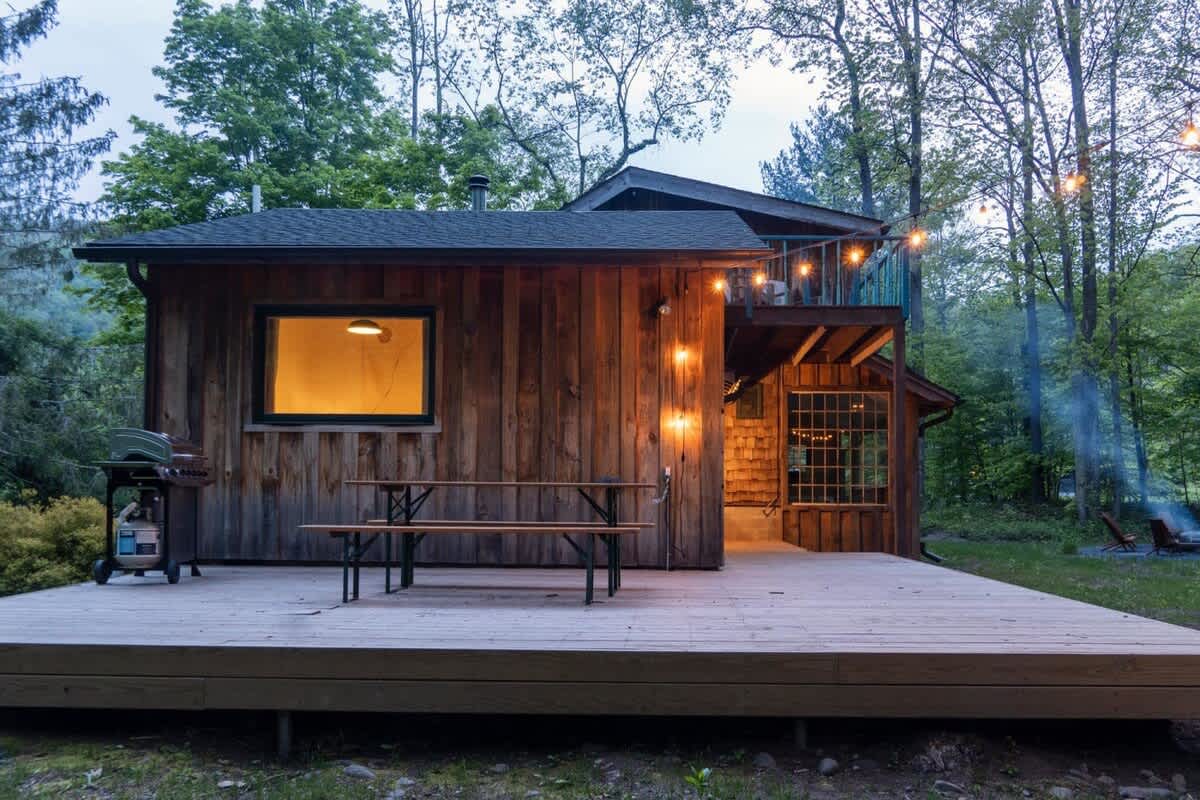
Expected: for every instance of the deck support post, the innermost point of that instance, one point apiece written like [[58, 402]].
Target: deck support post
[[800, 734], [899, 454], [283, 734]]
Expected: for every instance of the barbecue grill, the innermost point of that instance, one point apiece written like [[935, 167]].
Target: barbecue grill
[[158, 530]]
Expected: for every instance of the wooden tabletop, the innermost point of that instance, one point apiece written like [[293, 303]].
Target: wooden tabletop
[[398, 483]]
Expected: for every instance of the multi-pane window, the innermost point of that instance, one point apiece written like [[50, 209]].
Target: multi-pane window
[[837, 448]]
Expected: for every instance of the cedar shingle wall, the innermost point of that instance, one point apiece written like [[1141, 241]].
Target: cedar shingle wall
[[752, 451]]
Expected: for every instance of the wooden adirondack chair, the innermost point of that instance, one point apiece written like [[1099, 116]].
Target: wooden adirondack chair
[[1121, 540], [1167, 539]]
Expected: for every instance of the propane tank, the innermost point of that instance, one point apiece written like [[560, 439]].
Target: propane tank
[[139, 539]]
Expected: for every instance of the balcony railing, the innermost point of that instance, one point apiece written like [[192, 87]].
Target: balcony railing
[[819, 271]]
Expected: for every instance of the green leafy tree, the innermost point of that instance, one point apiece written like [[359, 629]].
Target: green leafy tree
[[582, 86], [42, 157]]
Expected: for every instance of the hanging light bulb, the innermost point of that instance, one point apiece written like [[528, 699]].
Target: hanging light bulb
[[982, 213], [760, 279], [1190, 136], [720, 285], [681, 355], [917, 238], [805, 269], [1073, 183], [855, 255]]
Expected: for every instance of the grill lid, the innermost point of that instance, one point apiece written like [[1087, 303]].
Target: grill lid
[[135, 444]]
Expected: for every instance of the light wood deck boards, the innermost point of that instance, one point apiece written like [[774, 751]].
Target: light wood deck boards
[[778, 632]]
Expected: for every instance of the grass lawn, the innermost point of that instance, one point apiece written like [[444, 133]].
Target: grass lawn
[[1155, 587]]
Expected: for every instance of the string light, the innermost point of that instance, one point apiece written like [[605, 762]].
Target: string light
[[1190, 136], [855, 255], [917, 238], [982, 213], [1073, 182], [1170, 113], [680, 423], [720, 285], [804, 269], [760, 279], [681, 355]]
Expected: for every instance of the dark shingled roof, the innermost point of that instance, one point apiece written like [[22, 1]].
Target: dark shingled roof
[[714, 194], [326, 230]]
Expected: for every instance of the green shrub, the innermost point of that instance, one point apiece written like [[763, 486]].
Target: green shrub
[[1003, 522], [49, 545]]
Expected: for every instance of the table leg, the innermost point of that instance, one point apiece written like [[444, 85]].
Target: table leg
[[410, 551], [357, 560], [345, 568], [619, 541], [610, 542], [387, 563], [589, 563]]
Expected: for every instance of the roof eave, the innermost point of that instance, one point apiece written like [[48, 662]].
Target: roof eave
[[169, 254]]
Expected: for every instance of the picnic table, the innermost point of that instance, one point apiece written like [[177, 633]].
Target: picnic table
[[405, 497]]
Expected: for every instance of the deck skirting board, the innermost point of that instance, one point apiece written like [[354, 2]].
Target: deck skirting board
[[596, 698], [612, 667]]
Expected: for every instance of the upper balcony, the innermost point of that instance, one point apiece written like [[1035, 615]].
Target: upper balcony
[[823, 271]]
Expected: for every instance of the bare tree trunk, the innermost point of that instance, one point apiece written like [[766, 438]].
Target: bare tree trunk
[[1069, 24], [916, 146], [858, 126], [1033, 343], [1139, 439], [1114, 379]]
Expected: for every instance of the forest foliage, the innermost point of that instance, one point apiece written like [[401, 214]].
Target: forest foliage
[[1041, 145]]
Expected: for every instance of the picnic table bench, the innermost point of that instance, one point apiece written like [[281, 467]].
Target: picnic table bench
[[404, 501]]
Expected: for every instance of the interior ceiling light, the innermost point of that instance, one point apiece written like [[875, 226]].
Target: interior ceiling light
[[364, 327]]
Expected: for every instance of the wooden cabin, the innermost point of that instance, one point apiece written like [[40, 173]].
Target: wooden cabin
[[655, 325], [811, 455]]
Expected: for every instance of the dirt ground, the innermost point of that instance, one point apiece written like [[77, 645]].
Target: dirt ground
[[188, 755]]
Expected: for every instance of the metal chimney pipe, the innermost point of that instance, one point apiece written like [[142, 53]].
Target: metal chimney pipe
[[478, 184], [255, 199]]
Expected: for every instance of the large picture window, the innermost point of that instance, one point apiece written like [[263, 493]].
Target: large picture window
[[837, 448], [344, 365]]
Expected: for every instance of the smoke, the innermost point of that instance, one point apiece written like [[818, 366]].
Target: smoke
[[1177, 515]]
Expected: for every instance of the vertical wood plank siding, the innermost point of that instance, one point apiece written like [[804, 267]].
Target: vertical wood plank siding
[[838, 529], [557, 372]]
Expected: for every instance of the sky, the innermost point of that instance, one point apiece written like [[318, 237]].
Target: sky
[[114, 44]]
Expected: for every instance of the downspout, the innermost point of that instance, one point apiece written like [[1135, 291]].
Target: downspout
[[149, 343], [937, 419], [926, 424]]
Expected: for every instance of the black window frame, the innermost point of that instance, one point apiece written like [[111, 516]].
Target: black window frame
[[839, 466], [263, 312]]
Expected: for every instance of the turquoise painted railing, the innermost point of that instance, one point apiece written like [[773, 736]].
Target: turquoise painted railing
[[818, 270]]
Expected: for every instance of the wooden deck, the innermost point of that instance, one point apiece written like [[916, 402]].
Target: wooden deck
[[777, 633]]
